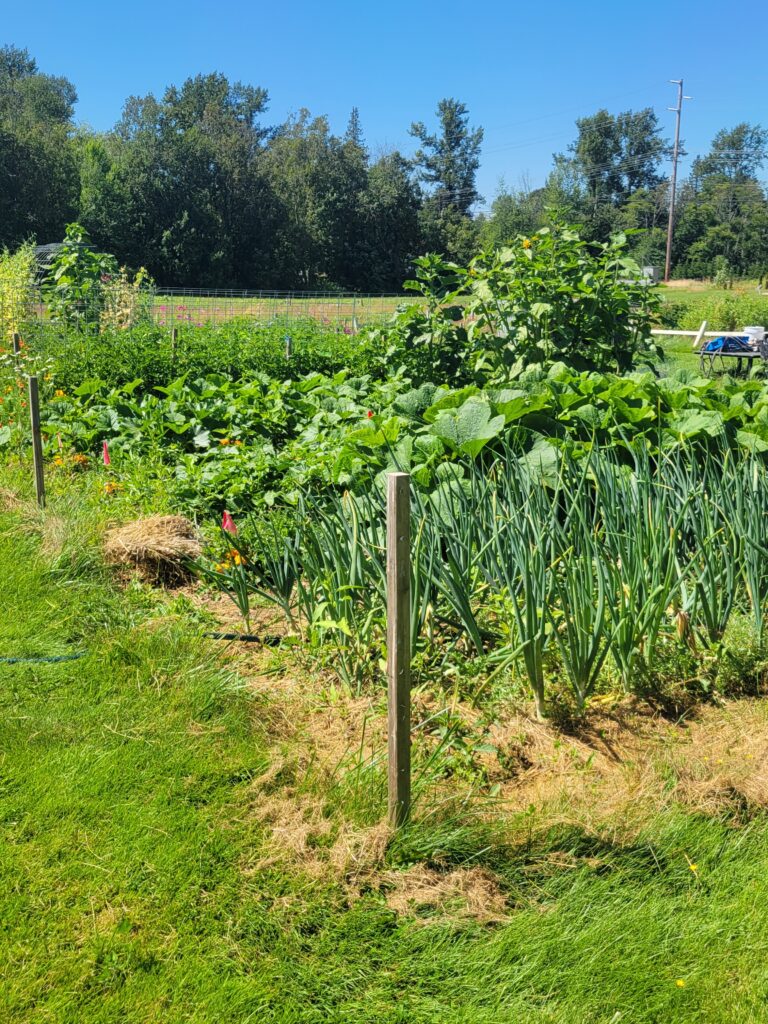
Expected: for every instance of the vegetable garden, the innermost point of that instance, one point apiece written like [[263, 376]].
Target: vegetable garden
[[583, 523], [195, 829]]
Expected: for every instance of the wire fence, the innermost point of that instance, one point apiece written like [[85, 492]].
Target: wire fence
[[203, 306], [179, 307]]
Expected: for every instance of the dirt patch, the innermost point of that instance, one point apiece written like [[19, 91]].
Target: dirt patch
[[159, 547], [269, 623]]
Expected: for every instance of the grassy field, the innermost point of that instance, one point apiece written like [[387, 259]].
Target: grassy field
[[174, 818]]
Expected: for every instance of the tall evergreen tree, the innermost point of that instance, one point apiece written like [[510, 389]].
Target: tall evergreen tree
[[448, 159]]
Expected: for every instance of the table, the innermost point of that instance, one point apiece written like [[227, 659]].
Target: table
[[745, 359]]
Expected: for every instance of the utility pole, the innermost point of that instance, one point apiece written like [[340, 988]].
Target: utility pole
[[677, 110]]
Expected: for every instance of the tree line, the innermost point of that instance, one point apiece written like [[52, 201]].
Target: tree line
[[200, 189]]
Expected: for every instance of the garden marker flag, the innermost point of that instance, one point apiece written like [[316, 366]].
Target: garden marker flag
[[105, 453], [228, 523]]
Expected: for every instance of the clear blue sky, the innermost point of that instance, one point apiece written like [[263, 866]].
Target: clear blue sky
[[526, 70]]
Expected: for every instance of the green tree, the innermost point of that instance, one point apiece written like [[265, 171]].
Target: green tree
[[613, 157], [723, 207], [448, 159], [38, 172], [177, 185], [513, 213], [392, 236]]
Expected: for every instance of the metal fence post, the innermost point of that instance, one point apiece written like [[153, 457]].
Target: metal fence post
[[399, 645], [37, 443]]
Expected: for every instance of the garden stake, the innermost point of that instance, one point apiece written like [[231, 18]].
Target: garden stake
[[288, 346], [16, 343], [399, 645], [37, 444]]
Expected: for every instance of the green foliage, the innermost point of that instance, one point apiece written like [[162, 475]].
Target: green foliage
[[551, 298], [554, 298], [723, 276], [724, 312], [253, 439], [234, 348], [38, 169], [74, 286]]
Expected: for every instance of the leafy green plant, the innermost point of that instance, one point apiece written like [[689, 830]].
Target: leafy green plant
[[550, 298], [74, 285]]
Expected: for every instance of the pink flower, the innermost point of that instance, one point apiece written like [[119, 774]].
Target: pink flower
[[228, 523], [105, 453]]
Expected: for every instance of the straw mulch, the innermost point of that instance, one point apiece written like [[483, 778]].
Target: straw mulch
[[160, 547]]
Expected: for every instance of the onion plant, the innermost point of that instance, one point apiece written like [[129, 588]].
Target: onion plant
[[590, 557], [640, 529]]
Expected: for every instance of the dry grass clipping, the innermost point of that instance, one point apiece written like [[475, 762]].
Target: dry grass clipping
[[462, 893], [158, 546], [9, 500]]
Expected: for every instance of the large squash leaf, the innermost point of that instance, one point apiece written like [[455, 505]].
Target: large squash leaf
[[469, 428]]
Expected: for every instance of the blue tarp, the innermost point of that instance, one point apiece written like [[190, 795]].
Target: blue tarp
[[736, 345]]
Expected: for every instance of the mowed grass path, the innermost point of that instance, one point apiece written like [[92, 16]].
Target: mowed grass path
[[126, 801]]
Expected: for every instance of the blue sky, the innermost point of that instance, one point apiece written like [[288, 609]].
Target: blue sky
[[525, 70]]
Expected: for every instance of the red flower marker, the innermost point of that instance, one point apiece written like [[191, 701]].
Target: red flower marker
[[228, 523], [369, 414], [105, 453]]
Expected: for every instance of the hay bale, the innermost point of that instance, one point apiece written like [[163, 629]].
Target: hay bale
[[160, 547]]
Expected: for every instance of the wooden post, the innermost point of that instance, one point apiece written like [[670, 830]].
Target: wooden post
[[288, 346], [399, 645], [16, 343], [37, 444], [700, 336]]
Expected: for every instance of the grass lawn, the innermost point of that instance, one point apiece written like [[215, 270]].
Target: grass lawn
[[138, 869]]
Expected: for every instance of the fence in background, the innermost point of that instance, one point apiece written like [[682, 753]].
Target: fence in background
[[176, 307], [192, 305]]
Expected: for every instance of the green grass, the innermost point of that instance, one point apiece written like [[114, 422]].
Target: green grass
[[127, 806]]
